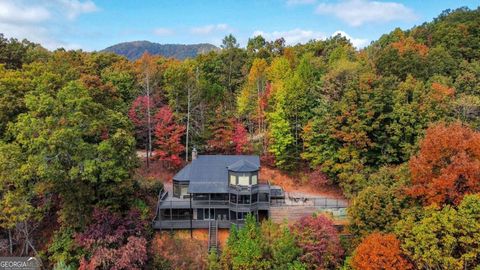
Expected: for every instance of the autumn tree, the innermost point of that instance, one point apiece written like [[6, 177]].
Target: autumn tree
[[444, 238], [447, 165], [229, 136], [250, 95], [375, 208], [148, 74], [12, 92], [222, 132], [319, 241], [168, 135], [114, 241], [81, 151], [240, 139], [138, 115], [380, 251], [281, 140], [19, 201]]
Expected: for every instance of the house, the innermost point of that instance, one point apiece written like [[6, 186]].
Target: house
[[220, 189]]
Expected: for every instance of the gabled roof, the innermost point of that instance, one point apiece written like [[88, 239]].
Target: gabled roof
[[243, 165], [209, 173]]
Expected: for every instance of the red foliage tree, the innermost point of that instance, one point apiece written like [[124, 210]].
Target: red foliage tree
[[113, 241], [168, 136], [222, 137], [240, 139], [380, 252], [229, 136], [318, 238], [138, 114], [447, 166]]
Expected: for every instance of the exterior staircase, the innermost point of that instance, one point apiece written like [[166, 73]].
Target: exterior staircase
[[213, 236]]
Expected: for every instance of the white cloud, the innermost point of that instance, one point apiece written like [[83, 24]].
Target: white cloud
[[162, 31], [293, 36], [11, 12], [298, 35], [209, 29], [41, 20], [73, 8], [357, 42], [300, 2], [358, 12]]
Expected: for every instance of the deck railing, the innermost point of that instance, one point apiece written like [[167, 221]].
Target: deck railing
[[180, 204], [196, 224], [319, 202]]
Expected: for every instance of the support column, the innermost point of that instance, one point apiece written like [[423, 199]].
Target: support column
[[191, 216]]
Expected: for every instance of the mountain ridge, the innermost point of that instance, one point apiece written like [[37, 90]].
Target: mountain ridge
[[134, 49]]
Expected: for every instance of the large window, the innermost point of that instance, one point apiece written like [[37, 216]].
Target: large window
[[244, 180], [254, 179], [180, 189]]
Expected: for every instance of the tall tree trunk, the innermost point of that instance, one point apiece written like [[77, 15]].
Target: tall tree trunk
[[28, 243], [149, 121], [259, 106], [188, 117], [10, 242]]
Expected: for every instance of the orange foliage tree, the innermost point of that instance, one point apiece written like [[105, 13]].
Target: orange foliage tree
[[447, 166], [380, 252]]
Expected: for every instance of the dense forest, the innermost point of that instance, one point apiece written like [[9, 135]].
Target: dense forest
[[395, 125]]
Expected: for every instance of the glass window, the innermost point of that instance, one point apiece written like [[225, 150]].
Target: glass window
[[183, 191], [209, 213], [263, 197], [243, 180], [233, 179], [242, 215], [254, 179], [244, 199], [233, 198], [233, 215]]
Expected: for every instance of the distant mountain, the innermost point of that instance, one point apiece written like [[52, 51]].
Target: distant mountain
[[134, 49]]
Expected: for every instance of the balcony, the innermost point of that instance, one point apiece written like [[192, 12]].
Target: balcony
[[195, 224]]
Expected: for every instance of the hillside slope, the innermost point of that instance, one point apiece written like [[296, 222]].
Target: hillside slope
[[134, 49]]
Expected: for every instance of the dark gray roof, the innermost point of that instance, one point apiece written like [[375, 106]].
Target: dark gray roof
[[243, 165], [209, 173]]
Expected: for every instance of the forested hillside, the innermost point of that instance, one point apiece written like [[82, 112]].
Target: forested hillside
[[134, 49], [395, 125]]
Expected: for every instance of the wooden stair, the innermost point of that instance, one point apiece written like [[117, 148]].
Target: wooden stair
[[213, 236]]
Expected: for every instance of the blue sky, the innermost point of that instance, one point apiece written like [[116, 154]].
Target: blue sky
[[96, 24]]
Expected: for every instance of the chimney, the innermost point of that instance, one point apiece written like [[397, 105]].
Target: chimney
[[194, 153]]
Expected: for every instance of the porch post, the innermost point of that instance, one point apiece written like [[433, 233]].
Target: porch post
[[191, 216]]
